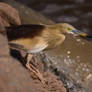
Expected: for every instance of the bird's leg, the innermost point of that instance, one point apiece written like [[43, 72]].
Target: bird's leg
[[28, 59], [33, 69]]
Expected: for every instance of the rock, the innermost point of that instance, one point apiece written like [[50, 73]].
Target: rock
[[3, 22], [13, 77], [11, 13], [54, 83], [4, 48], [27, 15]]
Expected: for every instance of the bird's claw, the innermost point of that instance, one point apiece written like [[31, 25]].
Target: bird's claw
[[34, 70]]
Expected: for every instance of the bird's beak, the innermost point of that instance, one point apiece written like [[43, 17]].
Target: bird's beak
[[79, 33]]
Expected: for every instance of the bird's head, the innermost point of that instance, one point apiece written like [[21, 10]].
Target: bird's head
[[56, 33], [67, 28]]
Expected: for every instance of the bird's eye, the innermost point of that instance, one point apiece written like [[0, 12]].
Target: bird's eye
[[69, 29]]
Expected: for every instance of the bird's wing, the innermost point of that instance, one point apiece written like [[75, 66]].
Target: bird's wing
[[24, 31], [40, 46], [34, 45], [38, 49], [16, 46]]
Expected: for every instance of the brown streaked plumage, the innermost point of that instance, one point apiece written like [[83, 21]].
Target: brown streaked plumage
[[35, 38], [23, 31], [32, 37]]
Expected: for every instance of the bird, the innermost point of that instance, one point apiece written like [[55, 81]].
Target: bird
[[34, 38]]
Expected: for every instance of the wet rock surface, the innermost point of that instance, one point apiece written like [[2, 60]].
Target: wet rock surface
[[14, 77]]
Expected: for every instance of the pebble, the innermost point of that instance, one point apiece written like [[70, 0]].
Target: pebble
[[68, 52], [87, 70], [83, 43], [77, 57], [78, 40], [76, 73], [68, 56], [89, 76]]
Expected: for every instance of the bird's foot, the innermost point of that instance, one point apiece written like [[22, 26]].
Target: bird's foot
[[33, 69]]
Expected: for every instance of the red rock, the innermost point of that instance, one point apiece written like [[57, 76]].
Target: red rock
[[10, 14]]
